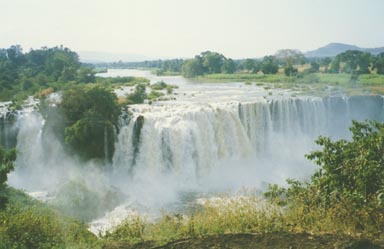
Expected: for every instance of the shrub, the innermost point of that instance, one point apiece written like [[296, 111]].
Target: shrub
[[40, 227]]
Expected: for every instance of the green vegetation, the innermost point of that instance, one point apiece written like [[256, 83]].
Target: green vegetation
[[26, 223], [38, 226], [121, 81], [352, 170], [153, 95], [91, 115], [57, 68], [6, 165], [24, 74], [344, 198], [207, 63], [138, 96], [158, 67]]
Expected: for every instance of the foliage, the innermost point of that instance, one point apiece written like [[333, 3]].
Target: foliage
[[207, 63], [315, 67], [290, 57], [353, 62], [244, 214], [153, 95], [192, 68], [91, 118], [161, 85], [121, 81], [290, 71], [161, 67], [229, 66], [325, 62], [344, 197], [7, 159], [138, 96], [249, 65], [379, 63], [38, 226], [352, 169], [269, 65], [212, 61]]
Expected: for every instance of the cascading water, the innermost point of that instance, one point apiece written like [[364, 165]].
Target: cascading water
[[245, 138], [190, 140]]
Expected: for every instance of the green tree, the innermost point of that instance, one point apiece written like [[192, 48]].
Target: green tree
[[315, 67], [335, 65], [290, 71], [249, 65], [355, 61], [325, 62], [379, 63], [92, 119], [229, 66], [290, 57], [86, 75], [192, 68], [7, 159], [212, 61], [138, 96], [352, 169], [269, 65]]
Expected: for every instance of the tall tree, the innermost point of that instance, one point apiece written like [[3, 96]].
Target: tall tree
[[269, 65], [92, 118], [229, 66], [290, 57], [192, 68], [379, 63], [249, 65], [212, 61]]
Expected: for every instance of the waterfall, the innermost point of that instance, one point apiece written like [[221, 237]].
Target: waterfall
[[190, 140], [261, 140]]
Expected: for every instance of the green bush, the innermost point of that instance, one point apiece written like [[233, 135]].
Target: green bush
[[138, 96], [40, 227], [153, 95]]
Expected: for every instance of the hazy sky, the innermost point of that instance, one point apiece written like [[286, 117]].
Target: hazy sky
[[183, 28]]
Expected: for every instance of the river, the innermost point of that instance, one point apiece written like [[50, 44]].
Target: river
[[205, 139]]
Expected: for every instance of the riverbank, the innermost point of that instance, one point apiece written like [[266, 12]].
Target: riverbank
[[309, 84], [254, 241]]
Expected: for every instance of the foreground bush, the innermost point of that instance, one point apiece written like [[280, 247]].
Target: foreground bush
[[29, 224]]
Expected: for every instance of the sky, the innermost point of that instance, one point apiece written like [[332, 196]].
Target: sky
[[183, 28]]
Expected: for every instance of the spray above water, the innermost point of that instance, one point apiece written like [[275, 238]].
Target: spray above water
[[170, 151]]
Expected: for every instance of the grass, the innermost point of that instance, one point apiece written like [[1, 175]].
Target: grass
[[27, 223], [250, 214]]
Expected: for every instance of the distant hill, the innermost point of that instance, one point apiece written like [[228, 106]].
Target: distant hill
[[334, 49], [97, 57]]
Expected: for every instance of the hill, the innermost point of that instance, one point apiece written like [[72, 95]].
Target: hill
[[333, 49]]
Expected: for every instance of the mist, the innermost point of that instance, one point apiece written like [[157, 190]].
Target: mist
[[183, 149]]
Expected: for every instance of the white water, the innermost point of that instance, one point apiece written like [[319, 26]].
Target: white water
[[212, 138]]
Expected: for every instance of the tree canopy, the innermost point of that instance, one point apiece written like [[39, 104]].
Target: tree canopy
[[37, 69], [91, 120]]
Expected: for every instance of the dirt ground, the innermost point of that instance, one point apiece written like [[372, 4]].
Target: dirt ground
[[255, 241]]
